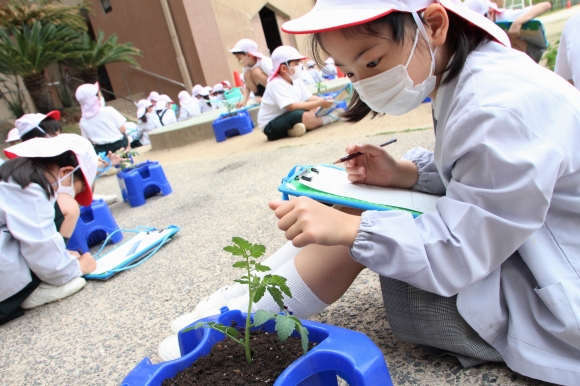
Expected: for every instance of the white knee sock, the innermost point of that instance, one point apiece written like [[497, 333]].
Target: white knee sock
[[275, 261], [303, 304]]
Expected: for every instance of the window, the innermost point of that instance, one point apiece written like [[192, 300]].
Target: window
[[106, 6]]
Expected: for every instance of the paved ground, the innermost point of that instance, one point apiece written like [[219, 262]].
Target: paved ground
[[220, 190]]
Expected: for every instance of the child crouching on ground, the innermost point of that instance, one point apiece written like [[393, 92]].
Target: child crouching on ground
[[35, 266], [288, 108]]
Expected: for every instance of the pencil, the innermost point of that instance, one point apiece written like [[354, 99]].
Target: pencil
[[354, 155]]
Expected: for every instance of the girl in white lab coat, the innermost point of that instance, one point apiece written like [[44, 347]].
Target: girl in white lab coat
[[148, 121], [35, 266], [494, 273], [189, 107]]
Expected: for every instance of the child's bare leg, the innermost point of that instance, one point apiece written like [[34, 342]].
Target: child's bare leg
[[311, 121], [327, 271], [250, 82], [259, 77]]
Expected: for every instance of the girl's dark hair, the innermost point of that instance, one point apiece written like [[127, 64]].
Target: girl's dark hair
[[51, 127], [144, 117], [462, 39], [206, 97], [25, 171]]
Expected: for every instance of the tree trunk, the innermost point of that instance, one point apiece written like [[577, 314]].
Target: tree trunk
[[90, 75], [38, 90]]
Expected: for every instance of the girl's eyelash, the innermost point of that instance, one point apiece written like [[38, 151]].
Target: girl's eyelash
[[373, 64], [349, 74]]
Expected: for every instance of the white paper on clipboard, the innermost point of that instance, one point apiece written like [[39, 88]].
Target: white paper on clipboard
[[143, 241], [335, 181]]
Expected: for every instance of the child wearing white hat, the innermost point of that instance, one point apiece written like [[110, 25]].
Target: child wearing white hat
[[314, 72], [153, 97], [288, 109], [329, 68], [163, 110], [36, 267], [493, 273], [38, 125], [226, 84], [257, 68], [103, 126], [148, 121], [568, 57], [189, 107], [206, 104], [518, 17]]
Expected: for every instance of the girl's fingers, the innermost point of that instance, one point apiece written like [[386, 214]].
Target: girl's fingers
[[293, 231], [286, 221]]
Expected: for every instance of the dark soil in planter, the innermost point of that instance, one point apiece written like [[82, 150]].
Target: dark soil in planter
[[226, 364]]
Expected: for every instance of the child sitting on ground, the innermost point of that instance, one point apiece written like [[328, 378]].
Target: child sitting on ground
[[36, 267], [257, 68], [189, 107], [288, 108], [164, 111]]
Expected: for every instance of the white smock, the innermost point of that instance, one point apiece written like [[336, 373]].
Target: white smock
[[29, 240], [144, 128], [505, 235], [568, 57]]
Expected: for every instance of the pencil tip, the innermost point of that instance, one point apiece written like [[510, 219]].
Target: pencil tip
[[336, 162]]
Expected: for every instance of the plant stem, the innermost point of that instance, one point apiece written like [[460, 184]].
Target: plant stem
[[251, 294]]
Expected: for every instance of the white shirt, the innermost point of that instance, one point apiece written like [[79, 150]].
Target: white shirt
[[316, 75], [510, 14], [278, 95], [205, 107], [167, 116], [29, 240], [143, 128], [306, 77], [189, 110], [104, 127], [265, 64], [568, 58], [505, 235]]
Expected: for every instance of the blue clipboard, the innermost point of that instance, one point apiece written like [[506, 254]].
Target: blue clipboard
[[133, 252], [532, 32], [291, 186]]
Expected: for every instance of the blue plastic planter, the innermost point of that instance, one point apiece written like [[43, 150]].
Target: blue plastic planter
[[349, 354], [143, 181], [229, 125]]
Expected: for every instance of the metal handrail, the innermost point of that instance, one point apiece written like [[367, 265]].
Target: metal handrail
[[107, 91], [157, 76]]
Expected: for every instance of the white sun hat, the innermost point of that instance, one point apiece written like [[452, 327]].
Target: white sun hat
[[142, 107], [218, 87], [247, 46], [196, 89], [329, 61], [284, 54], [51, 147], [153, 96], [310, 63], [226, 83], [205, 91], [479, 6], [12, 135], [329, 15], [27, 122]]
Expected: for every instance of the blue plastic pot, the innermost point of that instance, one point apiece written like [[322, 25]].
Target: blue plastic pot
[[346, 353]]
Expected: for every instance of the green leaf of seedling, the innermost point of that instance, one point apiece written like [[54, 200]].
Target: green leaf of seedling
[[260, 291], [262, 316], [277, 296], [303, 337], [199, 325], [240, 264], [242, 281], [284, 288], [261, 268], [284, 327], [232, 331], [278, 280], [243, 244], [257, 250], [236, 251]]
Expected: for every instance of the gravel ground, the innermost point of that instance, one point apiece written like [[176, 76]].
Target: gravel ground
[[98, 335]]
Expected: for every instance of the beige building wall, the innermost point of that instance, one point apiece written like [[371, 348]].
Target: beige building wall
[[240, 19]]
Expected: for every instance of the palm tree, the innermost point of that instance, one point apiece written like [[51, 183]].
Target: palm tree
[[92, 54], [15, 13], [27, 51]]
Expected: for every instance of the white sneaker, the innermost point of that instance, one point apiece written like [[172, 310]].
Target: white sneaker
[[109, 199], [46, 293], [206, 307], [169, 348], [298, 130]]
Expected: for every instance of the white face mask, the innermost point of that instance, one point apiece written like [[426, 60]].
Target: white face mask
[[297, 71], [70, 190], [392, 92]]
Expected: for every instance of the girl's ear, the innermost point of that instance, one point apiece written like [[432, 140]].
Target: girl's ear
[[62, 172], [438, 22]]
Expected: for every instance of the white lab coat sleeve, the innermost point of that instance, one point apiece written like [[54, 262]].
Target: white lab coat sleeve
[[429, 180], [183, 114], [30, 220], [562, 66], [498, 195], [169, 117]]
